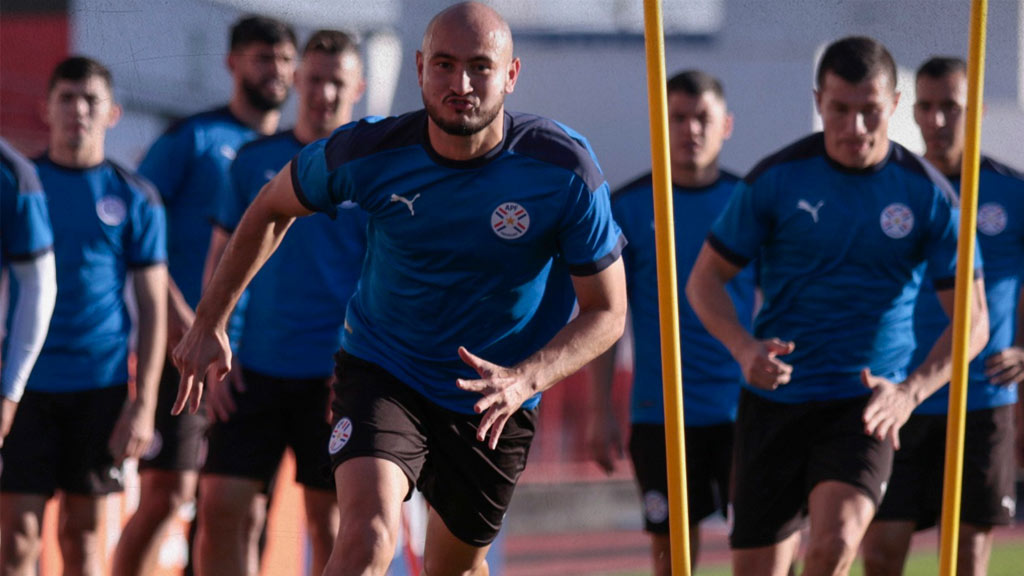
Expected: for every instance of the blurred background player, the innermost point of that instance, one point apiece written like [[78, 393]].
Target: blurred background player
[[469, 207], [914, 498], [76, 422], [26, 248], [189, 164], [840, 223], [292, 328], [699, 124]]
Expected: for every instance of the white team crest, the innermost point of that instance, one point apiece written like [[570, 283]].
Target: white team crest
[[655, 507], [340, 435], [228, 152], [991, 219], [897, 220], [111, 210], [510, 220]]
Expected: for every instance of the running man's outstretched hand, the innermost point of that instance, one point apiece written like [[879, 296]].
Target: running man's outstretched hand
[[888, 409], [504, 390], [761, 365], [202, 355]]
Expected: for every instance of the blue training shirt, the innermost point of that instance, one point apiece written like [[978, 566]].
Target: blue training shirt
[[1001, 240], [293, 322], [25, 231], [106, 221], [189, 165], [711, 378], [460, 253], [841, 255]]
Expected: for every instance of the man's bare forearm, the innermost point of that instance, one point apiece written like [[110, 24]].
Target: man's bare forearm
[[151, 294]]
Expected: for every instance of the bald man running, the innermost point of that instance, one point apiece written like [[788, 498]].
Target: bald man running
[[483, 223]]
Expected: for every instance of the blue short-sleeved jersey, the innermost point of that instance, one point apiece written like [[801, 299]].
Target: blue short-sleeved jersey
[[460, 253], [24, 221], [841, 255], [293, 322], [106, 221], [1001, 239], [711, 378]]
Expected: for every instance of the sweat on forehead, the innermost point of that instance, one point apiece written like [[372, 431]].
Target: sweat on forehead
[[470, 16]]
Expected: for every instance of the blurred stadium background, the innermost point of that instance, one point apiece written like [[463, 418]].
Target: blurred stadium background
[[583, 64]]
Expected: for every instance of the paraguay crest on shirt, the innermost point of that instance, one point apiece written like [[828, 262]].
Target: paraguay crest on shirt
[[991, 219], [510, 220], [111, 210], [897, 220]]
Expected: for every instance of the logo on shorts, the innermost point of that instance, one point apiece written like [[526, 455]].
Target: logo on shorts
[[991, 219], [655, 507], [111, 210], [510, 221], [340, 435], [884, 488], [1010, 504], [155, 446], [897, 220]]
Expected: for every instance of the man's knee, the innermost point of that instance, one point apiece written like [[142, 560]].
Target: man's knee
[[367, 543], [832, 550]]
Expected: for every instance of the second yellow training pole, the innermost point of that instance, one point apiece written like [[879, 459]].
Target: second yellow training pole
[[668, 305], [953, 477]]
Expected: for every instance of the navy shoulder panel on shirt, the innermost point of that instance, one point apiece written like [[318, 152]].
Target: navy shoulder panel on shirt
[[916, 164], [645, 182], [21, 167], [370, 136], [728, 176], [548, 141], [1000, 168], [217, 114], [807, 147], [138, 182]]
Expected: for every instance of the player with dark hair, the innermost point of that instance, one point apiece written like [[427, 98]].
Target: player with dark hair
[[189, 164], [76, 422], [699, 124], [841, 223], [914, 499], [472, 209], [26, 248], [292, 326]]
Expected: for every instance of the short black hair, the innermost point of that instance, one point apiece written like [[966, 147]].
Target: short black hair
[[695, 83], [941, 66], [331, 42], [79, 68], [855, 59], [260, 30]]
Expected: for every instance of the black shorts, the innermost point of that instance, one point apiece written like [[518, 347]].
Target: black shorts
[[784, 450], [987, 497], [59, 442], [179, 442], [708, 467], [272, 414], [468, 484]]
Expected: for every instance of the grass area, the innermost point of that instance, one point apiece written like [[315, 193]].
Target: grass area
[[1007, 560]]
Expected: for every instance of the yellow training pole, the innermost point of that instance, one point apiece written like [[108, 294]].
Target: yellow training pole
[[668, 305], [952, 479]]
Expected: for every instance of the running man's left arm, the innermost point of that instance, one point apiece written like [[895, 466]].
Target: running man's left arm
[[600, 322], [134, 428], [891, 404]]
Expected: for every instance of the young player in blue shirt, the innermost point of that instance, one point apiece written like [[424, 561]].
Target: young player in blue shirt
[[76, 422], [842, 224], [470, 207], [914, 498], [26, 248], [293, 325], [189, 164], [699, 124]]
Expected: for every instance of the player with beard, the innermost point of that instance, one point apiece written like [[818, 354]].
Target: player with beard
[[189, 164], [471, 208]]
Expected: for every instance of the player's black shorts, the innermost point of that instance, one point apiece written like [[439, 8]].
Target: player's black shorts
[[179, 442], [59, 442], [468, 484], [272, 414], [915, 489], [784, 450], [708, 466]]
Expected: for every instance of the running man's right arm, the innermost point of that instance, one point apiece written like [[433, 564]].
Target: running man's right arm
[[204, 351], [709, 299]]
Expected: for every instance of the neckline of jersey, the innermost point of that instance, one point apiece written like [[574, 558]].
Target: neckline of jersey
[[472, 163], [873, 169]]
